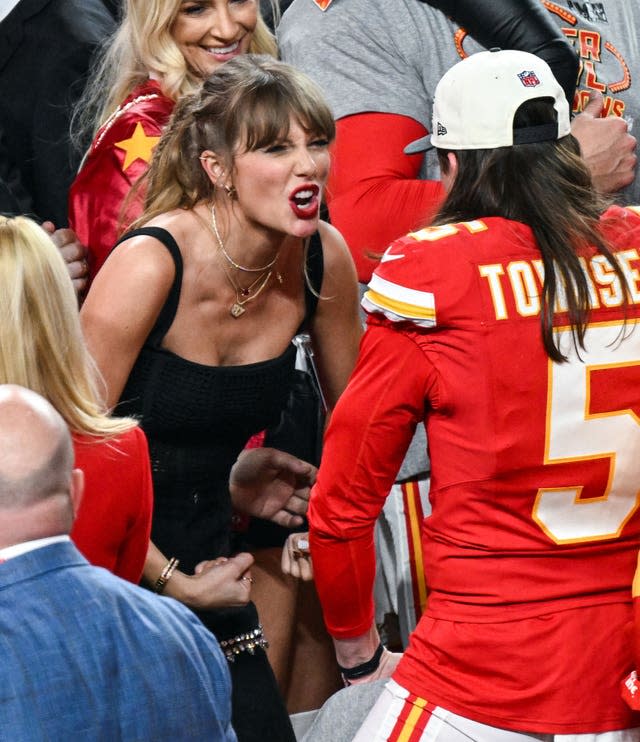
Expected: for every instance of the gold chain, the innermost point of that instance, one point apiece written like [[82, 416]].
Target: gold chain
[[237, 308], [214, 224]]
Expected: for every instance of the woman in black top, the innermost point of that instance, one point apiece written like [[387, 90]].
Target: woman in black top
[[191, 320]]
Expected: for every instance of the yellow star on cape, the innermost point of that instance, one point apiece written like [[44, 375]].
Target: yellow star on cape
[[138, 147]]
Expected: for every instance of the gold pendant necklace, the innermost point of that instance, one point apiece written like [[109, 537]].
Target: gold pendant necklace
[[237, 308], [249, 293]]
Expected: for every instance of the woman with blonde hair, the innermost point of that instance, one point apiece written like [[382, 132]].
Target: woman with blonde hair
[[42, 348], [162, 51], [191, 321]]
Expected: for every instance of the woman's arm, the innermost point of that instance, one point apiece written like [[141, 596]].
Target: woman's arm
[[122, 306], [336, 328], [367, 437], [219, 583], [139, 501]]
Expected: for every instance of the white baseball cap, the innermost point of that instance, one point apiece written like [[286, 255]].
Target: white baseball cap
[[476, 100]]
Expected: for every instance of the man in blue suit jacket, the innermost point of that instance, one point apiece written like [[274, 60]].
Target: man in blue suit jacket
[[83, 654]]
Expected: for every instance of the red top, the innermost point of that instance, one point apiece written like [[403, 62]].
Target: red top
[[535, 472], [118, 157], [113, 525]]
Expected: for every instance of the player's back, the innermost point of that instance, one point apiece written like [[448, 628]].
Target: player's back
[[531, 459]]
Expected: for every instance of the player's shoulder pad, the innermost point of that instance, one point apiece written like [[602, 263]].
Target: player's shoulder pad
[[394, 289], [402, 286]]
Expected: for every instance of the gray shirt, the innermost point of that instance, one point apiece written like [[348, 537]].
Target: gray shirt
[[387, 56]]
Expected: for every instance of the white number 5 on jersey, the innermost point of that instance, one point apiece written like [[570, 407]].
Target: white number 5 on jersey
[[574, 433]]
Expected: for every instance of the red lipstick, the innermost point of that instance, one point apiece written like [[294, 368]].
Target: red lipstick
[[304, 201]]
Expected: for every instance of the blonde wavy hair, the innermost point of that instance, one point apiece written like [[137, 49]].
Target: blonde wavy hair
[[142, 43], [41, 343]]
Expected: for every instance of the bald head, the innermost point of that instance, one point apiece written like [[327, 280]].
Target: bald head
[[36, 454]]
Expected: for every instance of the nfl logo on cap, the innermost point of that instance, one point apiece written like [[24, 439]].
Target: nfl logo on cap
[[529, 79]]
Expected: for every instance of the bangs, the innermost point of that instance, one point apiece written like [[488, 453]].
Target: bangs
[[266, 115]]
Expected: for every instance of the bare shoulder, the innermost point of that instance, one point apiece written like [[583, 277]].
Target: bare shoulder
[[334, 249], [142, 257], [133, 283]]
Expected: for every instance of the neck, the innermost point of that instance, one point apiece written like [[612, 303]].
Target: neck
[[249, 245], [50, 517]]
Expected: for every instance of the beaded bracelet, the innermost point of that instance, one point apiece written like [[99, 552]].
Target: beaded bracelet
[[165, 575], [365, 668]]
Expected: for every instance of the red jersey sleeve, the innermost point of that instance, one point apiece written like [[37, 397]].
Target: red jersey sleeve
[[374, 194], [370, 430]]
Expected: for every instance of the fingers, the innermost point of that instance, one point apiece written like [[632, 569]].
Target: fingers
[[296, 558], [287, 520], [304, 472], [595, 104], [65, 236], [299, 502], [209, 564], [290, 516], [79, 272], [222, 582], [607, 147], [241, 562], [48, 227], [73, 253]]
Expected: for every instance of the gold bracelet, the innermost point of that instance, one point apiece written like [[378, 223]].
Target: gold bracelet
[[165, 575]]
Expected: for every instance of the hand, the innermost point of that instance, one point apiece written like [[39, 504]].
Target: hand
[[271, 484], [607, 147], [217, 583], [73, 253], [296, 558]]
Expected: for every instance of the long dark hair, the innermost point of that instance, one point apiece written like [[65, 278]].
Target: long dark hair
[[547, 186]]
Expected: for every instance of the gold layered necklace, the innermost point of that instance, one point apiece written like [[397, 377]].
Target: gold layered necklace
[[248, 293]]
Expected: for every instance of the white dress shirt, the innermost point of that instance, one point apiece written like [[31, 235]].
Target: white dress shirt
[[18, 549]]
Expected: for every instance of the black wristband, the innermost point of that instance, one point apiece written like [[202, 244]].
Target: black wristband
[[365, 668]]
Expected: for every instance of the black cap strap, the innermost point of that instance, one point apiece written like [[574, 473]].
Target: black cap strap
[[532, 134]]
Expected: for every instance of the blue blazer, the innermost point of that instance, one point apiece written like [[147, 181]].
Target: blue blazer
[[87, 656]]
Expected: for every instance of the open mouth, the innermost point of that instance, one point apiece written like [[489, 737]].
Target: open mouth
[[304, 201], [221, 51]]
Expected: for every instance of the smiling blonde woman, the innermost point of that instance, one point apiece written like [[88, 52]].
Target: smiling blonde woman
[[162, 51]]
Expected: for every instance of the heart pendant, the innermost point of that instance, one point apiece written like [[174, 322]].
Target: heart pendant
[[237, 310]]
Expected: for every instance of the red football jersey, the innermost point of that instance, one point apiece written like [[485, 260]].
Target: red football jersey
[[531, 546], [101, 205]]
